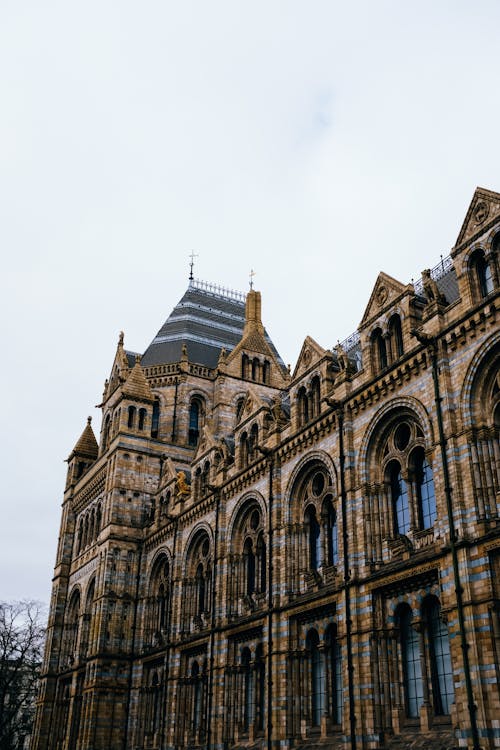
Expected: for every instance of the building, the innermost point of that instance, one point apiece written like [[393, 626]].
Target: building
[[252, 557]]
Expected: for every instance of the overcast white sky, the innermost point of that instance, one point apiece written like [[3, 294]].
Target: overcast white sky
[[316, 142]]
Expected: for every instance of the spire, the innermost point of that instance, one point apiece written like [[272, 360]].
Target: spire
[[253, 314], [87, 444], [136, 384]]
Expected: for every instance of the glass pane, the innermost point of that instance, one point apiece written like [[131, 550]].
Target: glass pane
[[412, 670], [442, 673]]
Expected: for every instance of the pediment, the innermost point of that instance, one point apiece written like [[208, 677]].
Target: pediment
[[253, 402], [484, 207], [385, 291], [168, 473], [310, 353], [206, 442]]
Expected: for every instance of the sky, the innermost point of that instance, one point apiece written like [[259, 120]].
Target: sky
[[317, 143]]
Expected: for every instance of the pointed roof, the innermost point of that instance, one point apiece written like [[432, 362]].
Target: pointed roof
[[483, 210], [310, 354], [207, 319], [87, 444], [136, 385], [385, 291]]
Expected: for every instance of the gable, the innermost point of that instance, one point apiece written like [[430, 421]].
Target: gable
[[385, 291], [310, 353], [484, 208]]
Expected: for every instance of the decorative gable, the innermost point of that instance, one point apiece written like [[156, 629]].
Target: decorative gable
[[483, 210], [310, 353], [385, 292]]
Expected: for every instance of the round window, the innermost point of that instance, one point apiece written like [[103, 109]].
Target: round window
[[318, 484]]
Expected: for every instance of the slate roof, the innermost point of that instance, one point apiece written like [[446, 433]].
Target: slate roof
[[205, 321]]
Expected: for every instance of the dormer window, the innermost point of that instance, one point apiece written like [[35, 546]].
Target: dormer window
[[142, 418]]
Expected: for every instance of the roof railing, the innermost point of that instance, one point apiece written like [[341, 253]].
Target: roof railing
[[217, 289]]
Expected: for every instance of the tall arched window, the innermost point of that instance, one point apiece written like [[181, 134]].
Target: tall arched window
[[244, 451], [315, 396], [443, 691], [201, 590], [105, 434], [334, 671], [314, 536], [485, 277], [194, 421], [317, 678], [248, 688], [303, 406], [260, 687], [250, 566], [396, 337], [71, 629], [253, 443], [131, 417], [424, 488], [379, 351], [155, 419], [411, 665], [197, 696], [157, 604], [332, 531], [399, 498], [142, 418]]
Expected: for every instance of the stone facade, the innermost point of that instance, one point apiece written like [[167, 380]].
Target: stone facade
[[252, 557]]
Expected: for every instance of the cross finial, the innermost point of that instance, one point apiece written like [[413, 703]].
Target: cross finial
[[252, 274], [192, 256]]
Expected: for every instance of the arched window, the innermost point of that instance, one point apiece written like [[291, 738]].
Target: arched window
[[379, 351], [244, 366], [484, 276], [330, 519], [250, 566], [79, 544], [131, 417], [256, 369], [253, 443], [155, 713], [157, 604], [317, 678], [315, 397], [248, 688], [71, 629], [243, 450], [155, 419], [105, 436], [424, 488], [205, 479], [194, 421], [411, 665], [266, 372], [261, 563], [197, 696], [142, 418], [313, 530], [85, 645], [201, 592], [334, 671], [399, 499], [303, 406], [443, 691], [396, 337], [239, 408], [260, 687]]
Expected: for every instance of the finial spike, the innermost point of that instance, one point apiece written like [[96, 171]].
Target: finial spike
[[192, 255], [252, 274]]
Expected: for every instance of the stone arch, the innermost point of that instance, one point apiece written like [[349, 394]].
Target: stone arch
[[480, 369], [240, 509], [314, 457], [372, 435]]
